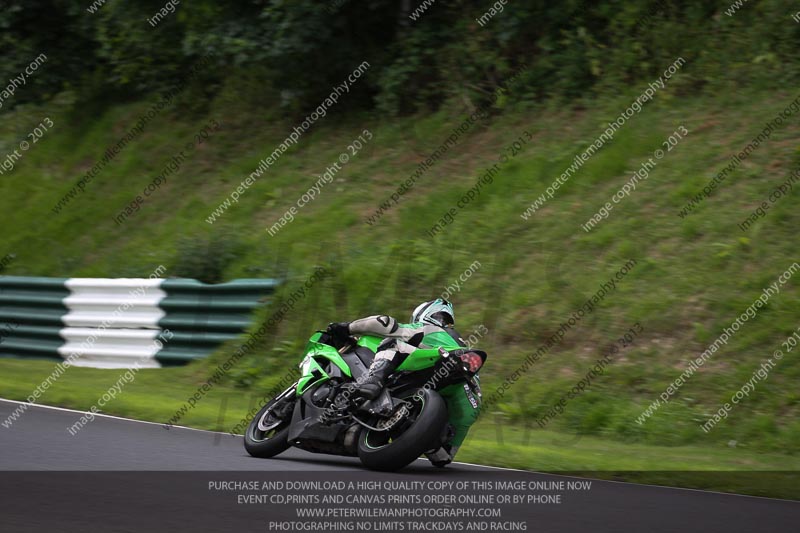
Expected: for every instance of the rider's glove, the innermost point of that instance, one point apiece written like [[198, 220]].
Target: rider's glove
[[339, 330]]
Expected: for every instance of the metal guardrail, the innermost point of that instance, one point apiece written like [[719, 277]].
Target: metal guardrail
[[112, 323]]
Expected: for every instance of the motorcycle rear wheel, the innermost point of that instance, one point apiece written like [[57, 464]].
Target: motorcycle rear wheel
[[420, 431]]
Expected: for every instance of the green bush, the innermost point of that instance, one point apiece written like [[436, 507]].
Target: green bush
[[205, 258]]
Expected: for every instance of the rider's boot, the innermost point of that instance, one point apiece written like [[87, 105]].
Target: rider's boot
[[373, 382]]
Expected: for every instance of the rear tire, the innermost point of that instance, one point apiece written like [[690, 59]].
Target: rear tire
[[379, 451], [265, 444]]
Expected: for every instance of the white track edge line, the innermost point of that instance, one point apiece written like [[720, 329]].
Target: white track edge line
[[42, 406]]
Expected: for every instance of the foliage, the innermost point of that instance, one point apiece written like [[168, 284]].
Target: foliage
[[205, 258], [572, 48]]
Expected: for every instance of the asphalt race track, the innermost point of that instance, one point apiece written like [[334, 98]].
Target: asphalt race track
[[125, 475]]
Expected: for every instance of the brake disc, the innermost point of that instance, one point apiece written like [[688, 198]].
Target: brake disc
[[262, 422]]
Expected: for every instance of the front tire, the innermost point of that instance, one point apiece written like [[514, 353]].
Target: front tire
[[265, 443], [395, 449]]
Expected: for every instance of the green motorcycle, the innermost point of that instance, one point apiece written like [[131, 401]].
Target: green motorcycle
[[426, 407]]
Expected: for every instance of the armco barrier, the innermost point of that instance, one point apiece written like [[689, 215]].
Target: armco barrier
[[114, 323], [30, 311], [202, 316]]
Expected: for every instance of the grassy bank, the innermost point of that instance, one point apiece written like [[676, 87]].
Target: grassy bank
[[693, 275]]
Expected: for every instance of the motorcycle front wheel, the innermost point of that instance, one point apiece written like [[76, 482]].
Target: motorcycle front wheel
[[266, 436]]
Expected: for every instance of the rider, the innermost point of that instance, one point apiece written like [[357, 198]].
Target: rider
[[431, 327]]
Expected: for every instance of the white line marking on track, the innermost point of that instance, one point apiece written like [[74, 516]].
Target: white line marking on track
[[111, 416]]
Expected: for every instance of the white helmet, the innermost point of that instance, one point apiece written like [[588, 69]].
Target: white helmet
[[438, 312]]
